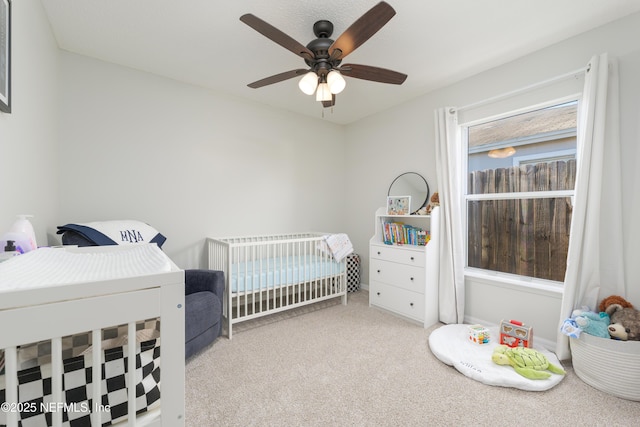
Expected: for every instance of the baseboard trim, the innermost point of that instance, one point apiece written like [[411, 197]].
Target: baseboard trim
[[547, 344]]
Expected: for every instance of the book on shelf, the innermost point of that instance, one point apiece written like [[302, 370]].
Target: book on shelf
[[398, 233]]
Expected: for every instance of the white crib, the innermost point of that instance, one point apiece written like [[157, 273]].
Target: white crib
[[48, 311], [272, 273]]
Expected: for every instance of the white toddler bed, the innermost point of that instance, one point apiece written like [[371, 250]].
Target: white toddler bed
[[273, 273], [57, 307]]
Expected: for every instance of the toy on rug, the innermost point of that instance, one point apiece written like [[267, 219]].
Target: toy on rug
[[625, 320], [479, 334], [527, 362], [514, 333]]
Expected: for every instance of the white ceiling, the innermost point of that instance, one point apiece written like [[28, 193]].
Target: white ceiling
[[435, 42]]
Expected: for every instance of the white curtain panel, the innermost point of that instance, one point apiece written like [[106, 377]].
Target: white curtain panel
[[449, 174], [594, 261]]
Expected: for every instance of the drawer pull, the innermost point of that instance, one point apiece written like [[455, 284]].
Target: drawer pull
[[378, 271], [411, 279], [378, 293], [412, 258], [378, 252], [411, 304]]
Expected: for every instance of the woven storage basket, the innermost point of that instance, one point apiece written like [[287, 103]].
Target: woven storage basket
[[608, 365]]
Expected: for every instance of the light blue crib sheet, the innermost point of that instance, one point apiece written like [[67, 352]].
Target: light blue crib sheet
[[269, 273]]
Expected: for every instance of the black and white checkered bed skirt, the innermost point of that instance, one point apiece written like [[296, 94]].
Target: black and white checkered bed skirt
[[34, 386]]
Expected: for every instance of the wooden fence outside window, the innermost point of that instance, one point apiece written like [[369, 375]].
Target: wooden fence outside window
[[528, 237]]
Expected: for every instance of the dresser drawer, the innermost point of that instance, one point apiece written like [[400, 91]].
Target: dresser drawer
[[400, 301], [401, 275], [398, 254]]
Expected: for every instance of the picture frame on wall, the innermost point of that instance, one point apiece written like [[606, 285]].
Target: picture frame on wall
[[5, 56], [398, 205]]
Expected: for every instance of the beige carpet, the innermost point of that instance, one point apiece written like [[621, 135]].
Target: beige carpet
[[335, 365]]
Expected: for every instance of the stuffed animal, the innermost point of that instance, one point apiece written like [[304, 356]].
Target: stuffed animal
[[527, 362], [584, 320], [422, 211], [625, 320], [595, 324], [613, 299], [435, 201], [618, 332]]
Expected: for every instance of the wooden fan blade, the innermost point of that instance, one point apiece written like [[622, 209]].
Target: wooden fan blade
[[327, 104], [276, 35], [277, 78], [361, 30], [374, 74]]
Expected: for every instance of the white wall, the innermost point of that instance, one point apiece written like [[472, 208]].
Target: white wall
[[28, 135], [406, 134], [190, 162], [377, 152]]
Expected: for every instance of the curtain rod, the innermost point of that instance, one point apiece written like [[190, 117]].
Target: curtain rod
[[524, 89]]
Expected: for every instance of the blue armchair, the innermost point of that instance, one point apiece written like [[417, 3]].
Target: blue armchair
[[204, 293]]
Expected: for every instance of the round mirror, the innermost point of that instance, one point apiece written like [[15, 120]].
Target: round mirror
[[411, 184]]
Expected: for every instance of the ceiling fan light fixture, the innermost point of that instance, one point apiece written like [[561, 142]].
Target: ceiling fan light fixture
[[308, 83], [336, 82], [323, 55], [323, 93]]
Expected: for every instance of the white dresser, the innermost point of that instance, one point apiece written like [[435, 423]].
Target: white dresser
[[404, 278]]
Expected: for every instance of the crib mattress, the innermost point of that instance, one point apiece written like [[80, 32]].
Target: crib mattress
[[271, 273]]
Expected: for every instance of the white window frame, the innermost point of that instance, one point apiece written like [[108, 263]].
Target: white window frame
[[508, 278]]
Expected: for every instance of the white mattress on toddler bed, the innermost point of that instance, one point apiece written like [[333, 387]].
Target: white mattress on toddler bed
[[53, 266], [451, 345]]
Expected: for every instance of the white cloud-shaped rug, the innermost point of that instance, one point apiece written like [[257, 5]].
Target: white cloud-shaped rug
[[451, 345]]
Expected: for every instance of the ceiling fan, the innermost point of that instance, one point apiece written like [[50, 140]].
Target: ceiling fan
[[324, 55]]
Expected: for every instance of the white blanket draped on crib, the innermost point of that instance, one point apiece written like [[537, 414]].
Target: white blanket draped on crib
[[339, 245]]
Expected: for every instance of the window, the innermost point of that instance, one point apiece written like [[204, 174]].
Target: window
[[521, 171]]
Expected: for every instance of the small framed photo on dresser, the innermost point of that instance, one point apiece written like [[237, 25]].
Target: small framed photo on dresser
[[398, 205], [5, 56]]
